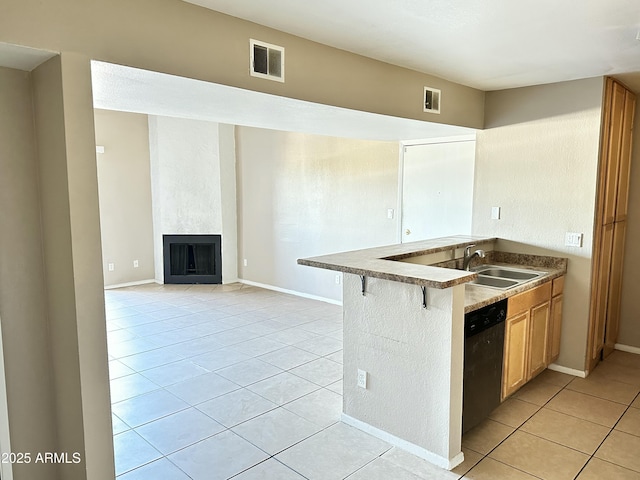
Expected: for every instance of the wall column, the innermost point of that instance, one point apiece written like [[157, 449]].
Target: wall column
[[65, 135], [23, 306]]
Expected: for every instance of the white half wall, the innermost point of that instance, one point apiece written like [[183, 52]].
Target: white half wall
[[414, 360], [186, 178]]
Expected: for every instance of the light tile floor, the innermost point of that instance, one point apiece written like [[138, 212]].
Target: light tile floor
[[216, 382]]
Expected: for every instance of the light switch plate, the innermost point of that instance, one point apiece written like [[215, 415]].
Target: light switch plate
[[495, 213], [573, 239]]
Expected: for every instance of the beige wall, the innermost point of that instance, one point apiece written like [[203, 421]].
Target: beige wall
[[538, 160], [175, 37], [630, 311], [124, 185], [23, 307], [302, 195]]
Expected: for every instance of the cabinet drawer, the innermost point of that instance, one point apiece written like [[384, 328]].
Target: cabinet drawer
[[525, 300], [558, 286]]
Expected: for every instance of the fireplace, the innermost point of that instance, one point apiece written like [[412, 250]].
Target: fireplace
[[192, 258]]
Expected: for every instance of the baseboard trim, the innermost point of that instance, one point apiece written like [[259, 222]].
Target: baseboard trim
[[412, 448], [290, 292], [570, 371], [129, 284], [627, 348]]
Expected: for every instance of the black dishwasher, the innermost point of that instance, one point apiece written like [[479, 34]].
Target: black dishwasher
[[483, 351]]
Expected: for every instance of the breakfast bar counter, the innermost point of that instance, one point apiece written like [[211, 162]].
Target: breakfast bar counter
[[403, 311]]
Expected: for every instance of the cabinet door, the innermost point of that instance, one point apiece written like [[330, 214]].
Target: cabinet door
[[625, 157], [555, 329], [615, 288], [538, 339], [612, 159], [602, 291], [514, 373]]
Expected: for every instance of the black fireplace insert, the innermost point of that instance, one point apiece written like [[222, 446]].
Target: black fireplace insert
[[192, 258]]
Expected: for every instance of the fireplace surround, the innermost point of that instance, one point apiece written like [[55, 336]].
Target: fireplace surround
[[190, 259]]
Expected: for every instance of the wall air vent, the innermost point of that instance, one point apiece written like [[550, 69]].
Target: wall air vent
[[267, 61], [431, 100]]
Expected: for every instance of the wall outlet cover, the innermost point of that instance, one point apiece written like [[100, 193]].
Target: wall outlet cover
[[362, 378]]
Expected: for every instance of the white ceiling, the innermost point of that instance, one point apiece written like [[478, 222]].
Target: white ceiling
[[486, 44], [128, 89]]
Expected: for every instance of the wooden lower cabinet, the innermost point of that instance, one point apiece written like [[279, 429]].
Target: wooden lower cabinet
[[532, 332], [538, 339], [514, 367]]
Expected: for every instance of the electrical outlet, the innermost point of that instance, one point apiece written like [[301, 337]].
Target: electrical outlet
[[338, 279], [244, 262], [495, 213], [390, 213], [112, 267], [135, 264], [362, 379]]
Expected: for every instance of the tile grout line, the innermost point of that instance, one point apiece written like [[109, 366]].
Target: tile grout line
[[591, 456], [320, 387], [518, 429], [602, 443], [283, 406]]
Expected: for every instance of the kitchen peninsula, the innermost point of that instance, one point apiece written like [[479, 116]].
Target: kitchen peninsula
[[404, 338]]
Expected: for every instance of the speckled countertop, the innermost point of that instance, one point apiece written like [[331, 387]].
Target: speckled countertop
[[382, 262], [477, 296]]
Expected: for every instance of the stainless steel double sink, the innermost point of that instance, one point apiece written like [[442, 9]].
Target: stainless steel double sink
[[500, 277]]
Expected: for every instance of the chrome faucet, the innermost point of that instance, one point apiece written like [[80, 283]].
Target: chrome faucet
[[468, 256]]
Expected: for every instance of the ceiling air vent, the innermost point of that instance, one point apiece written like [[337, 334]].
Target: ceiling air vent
[[431, 100], [267, 61]]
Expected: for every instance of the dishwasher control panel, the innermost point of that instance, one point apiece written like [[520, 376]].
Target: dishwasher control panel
[[485, 317]]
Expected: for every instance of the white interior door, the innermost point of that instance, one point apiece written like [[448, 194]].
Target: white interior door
[[437, 190]]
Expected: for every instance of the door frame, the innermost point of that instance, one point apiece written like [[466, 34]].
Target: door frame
[[409, 143]]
